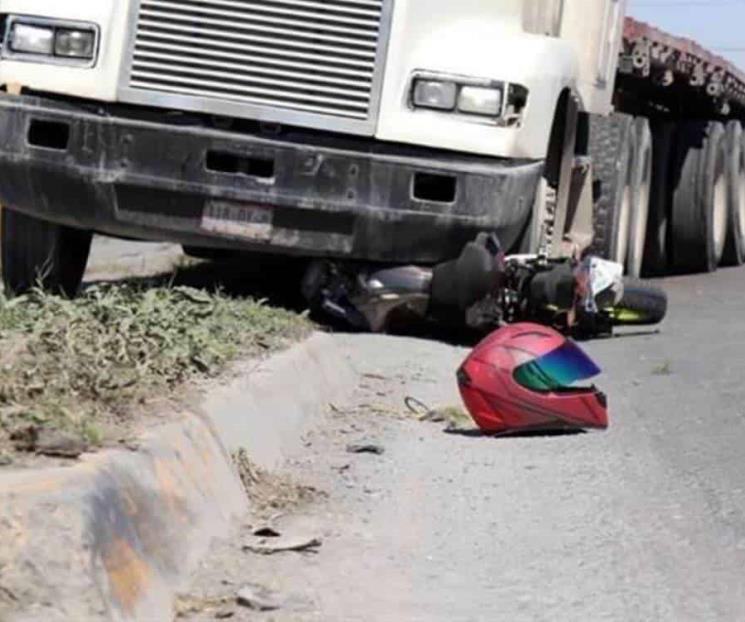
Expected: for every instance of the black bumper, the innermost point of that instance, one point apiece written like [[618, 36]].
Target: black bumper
[[203, 187]]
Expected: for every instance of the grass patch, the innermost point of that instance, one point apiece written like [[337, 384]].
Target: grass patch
[[663, 369], [72, 364]]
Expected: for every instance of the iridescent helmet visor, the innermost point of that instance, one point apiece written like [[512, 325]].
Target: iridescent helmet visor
[[559, 369]]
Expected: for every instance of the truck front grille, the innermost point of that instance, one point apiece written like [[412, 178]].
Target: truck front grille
[[306, 56]]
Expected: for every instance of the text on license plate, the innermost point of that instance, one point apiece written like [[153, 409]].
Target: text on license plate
[[238, 220]]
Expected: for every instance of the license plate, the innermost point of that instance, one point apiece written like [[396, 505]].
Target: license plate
[[253, 222]]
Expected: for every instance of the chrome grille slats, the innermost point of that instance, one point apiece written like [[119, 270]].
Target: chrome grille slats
[[267, 22], [312, 56]]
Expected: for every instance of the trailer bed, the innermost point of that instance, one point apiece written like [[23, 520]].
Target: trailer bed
[[662, 70]]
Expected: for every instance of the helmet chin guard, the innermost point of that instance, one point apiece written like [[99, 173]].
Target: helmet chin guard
[[524, 378]]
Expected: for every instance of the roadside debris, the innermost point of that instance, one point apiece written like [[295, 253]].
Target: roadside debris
[[7, 595], [366, 448], [187, 605], [374, 376], [257, 597], [48, 442], [452, 416], [266, 532], [270, 492], [264, 546]]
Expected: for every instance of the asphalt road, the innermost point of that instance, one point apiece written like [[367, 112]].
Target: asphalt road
[[643, 522]]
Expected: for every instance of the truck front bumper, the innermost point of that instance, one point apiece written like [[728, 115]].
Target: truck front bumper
[[307, 195]]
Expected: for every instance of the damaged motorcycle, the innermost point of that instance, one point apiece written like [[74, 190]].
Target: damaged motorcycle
[[484, 289]]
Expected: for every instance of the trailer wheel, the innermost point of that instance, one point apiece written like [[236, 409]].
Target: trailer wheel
[[700, 198], [734, 249], [641, 187], [37, 252], [656, 252], [612, 148]]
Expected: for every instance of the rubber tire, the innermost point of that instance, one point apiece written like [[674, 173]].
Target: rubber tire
[[648, 300], [656, 254], [40, 253], [641, 190], [612, 146], [699, 160], [734, 248]]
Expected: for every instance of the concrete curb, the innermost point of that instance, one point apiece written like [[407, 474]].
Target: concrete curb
[[267, 407], [115, 536]]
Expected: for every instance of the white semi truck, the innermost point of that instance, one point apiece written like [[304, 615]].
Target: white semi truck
[[381, 131]]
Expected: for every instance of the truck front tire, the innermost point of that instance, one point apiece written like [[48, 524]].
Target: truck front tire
[[37, 252], [701, 197]]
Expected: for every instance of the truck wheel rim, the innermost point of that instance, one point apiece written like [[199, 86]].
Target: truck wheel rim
[[720, 216], [624, 218]]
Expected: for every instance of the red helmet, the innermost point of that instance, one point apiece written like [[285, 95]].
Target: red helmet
[[521, 377]]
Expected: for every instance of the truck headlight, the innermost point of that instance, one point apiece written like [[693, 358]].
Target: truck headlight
[[480, 100], [28, 39], [436, 94], [75, 43], [61, 42]]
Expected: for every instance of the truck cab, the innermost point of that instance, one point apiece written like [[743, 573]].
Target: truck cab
[[376, 130]]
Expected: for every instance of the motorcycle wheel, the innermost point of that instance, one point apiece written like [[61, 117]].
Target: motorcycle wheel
[[642, 304]]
